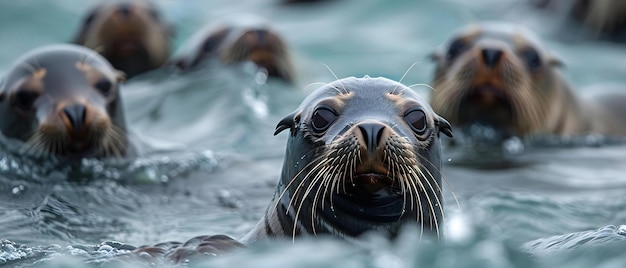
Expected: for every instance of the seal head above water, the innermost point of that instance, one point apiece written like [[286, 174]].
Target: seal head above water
[[363, 155], [64, 100]]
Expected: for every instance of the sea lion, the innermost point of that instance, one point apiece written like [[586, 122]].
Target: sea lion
[[501, 76], [605, 19], [363, 154], [131, 34], [248, 39], [64, 100]]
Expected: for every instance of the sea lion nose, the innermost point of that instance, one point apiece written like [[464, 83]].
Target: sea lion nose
[[261, 35], [372, 132], [124, 9], [491, 56], [76, 114]]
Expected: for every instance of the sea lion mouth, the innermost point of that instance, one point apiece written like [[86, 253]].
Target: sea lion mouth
[[371, 190], [487, 105], [371, 183], [371, 197]]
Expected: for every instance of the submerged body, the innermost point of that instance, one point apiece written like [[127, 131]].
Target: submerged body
[[64, 100], [501, 76]]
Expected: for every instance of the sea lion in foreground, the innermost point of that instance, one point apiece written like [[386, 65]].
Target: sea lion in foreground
[[245, 40], [500, 75], [132, 35], [64, 100], [363, 155]]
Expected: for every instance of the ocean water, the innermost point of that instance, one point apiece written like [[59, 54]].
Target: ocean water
[[215, 162]]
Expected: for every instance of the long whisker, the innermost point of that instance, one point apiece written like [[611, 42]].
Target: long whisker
[[313, 84], [337, 78], [402, 78], [443, 177]]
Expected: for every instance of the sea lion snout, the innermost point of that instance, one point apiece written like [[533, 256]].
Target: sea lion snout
[[491, 56], [125, 10], [371, 134], [76, 115]]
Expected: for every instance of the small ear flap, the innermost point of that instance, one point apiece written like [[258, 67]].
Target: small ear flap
[[120, 76], [289, 122], [555, 62], [434, 56], [444, 127]]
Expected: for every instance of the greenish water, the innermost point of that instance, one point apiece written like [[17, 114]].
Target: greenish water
[[558, 207]]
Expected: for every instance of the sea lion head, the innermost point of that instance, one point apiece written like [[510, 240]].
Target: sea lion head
[[131, 34], [497, 75], [247, 40], [64, 100], [363, 154]]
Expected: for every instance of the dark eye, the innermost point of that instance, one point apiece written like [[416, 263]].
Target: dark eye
[[323, 117], [90, 18], [104, 86], [212, 43], [154, 14], [417, 120], [25, 99], [456, 48], [532, 58]]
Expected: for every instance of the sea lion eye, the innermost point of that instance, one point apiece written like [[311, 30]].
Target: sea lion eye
[[104, 86], [89, 20], [532, 58], [416, 118], [323, 117], [456, 48], [154, 14], [25, 99]]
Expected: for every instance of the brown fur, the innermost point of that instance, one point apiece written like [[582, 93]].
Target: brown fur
[[540, 99], [129, 33]]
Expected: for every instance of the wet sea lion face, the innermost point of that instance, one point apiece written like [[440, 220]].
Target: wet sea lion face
[[363, 154], [257, 44], [64, 100], [130, 34], [496, 75]]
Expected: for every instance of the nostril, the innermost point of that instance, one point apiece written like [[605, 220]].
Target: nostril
[[125, 9], [76, 114], [491, 56], [372, 133], [261, 35]]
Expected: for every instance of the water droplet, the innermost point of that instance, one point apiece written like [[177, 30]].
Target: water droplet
[[18, 189], [261, 77], [621, 230], [513, 146]]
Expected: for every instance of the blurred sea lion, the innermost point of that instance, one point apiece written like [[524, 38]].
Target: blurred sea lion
[[500, 75], [605, 19], [64, 100], [246, 39], [131, 34]]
